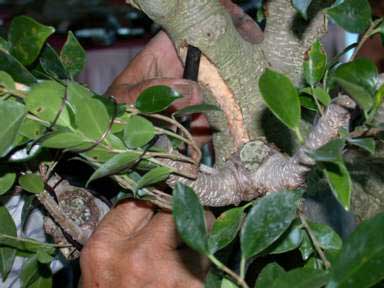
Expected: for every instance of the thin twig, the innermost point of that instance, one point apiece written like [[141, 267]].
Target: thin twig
[[315, 243], [224, 268]]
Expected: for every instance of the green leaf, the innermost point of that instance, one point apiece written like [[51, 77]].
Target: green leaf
[[45, 100], [289, 241], [306, 248], [226, 283], [32, 183], [316, 64], [268, 219], [189, 218], [15, 69], [116, 164], [51, 64], [27, 37], [359, 80], [353, 15], [281, 97], [326, 237], [6, 81], [73, 55], [4, 45], [26, 245], [7, 179], [27, 209], [156, 99], [12, 114], [360, 262], [319, 93], [154, 176], [43, 257], [367, 144], [199, 108], [301, 278], [268, 275], [308, 102], [31, 129], [332, 151], [225, 229], [35, 274], [340, 182], [62, 140], [7, 254], [138, 131], [302, 6]]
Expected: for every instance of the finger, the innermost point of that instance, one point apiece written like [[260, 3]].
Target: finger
[[244, 24], [158, 59], [123, 221]]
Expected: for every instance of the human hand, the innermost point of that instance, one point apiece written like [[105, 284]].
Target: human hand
[[134, 247]]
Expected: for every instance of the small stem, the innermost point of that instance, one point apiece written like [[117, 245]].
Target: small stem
[[319, 107], [315, 243], [298, 135], [366, 36], [242, 267], [31, 241], [224, 268]]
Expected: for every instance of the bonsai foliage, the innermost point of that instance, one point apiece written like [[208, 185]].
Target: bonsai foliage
[[332, 111]]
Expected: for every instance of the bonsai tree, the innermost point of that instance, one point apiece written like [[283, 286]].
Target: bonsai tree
[[291, 123]]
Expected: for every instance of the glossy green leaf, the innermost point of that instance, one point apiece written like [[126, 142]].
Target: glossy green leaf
[[156, 99], [361, 261], [12, 114], [26, 245], [226, 283], [268, 275], [6, 81], [31, 129], [27, 209], [332, 151], [116, 164], [199, 108], [73, 55], [45, 100], [154, 176], [306, 247], [268, 219], [289, 241], [302, 6], [15, 69], [225, 229], [340, 182], [61, 140], [7, 254], [27, 37], [367, 144], [353, 15], [7, 178], [32, 183], [99, 154], [189, 218], [51, 64], [320, 94], [301, 278], [43, 257], [4, 45], [316, 64], [308, 102], [35, 274], [359, 80], [138, 131], [281, 97], [325, 236]]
